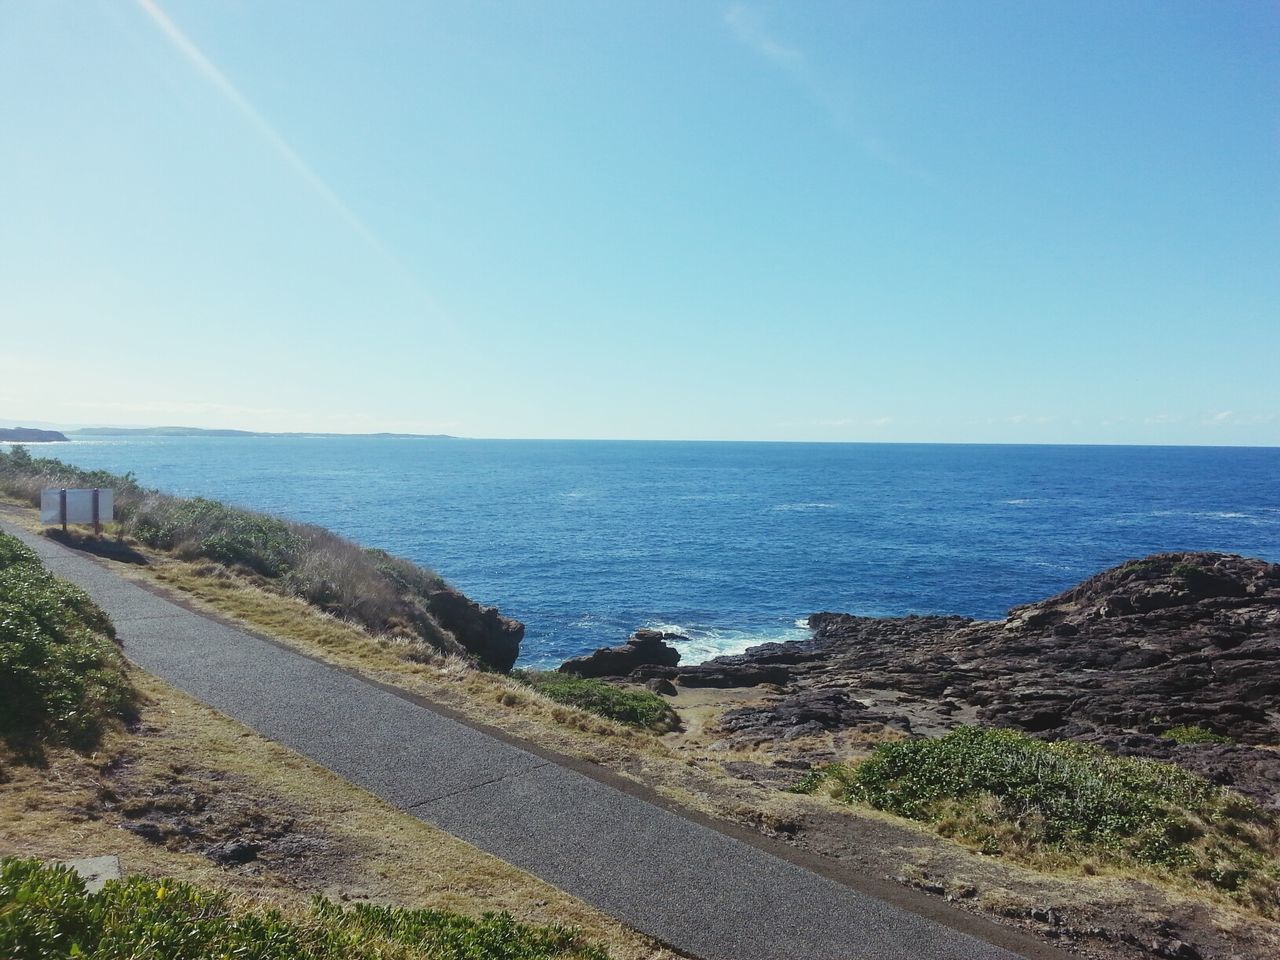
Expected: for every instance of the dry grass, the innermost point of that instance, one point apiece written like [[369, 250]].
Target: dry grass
[[486, 697], [385, 856]]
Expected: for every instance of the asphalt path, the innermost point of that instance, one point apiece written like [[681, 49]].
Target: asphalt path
[[692, 886]]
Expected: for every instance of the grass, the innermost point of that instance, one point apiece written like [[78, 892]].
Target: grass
[[1193, 734], [46, 914], [1008, 794], [62, 679], [385, 594], [630, 705]]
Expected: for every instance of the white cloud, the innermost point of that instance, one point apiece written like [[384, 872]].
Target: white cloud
[[1225, 418], [747, 24]]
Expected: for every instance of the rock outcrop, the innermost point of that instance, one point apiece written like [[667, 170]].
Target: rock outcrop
[[482, 631], [644, 648], [1174, 640]]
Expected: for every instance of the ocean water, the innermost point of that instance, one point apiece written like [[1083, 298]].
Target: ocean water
[[731, 543]]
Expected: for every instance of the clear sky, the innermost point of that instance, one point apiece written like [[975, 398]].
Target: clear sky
[[979, 221]]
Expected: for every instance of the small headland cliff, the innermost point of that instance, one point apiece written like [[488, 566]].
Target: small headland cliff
[[1174, 657]]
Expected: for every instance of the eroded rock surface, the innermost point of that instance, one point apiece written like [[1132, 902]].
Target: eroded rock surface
[[1176, 639]]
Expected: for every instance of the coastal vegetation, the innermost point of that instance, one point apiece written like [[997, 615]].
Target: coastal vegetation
[[62, 679], [47, 914], [386, 595], [1188, 733], [634, 706], [1043, 802]]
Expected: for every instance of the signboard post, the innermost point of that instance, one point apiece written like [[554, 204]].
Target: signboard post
[[65, 506]]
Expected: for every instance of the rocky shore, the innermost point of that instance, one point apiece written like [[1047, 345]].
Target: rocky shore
[[1139, 659]]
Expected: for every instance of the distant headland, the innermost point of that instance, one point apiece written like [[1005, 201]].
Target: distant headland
[[202, 432], [30, 435]]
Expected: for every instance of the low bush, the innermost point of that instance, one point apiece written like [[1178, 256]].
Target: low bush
[[46, 914], [206, 529], [62, 677], [631, 705], [1192, 734], [1006, 793]]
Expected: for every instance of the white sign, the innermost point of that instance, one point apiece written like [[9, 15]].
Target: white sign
[[79, 506]]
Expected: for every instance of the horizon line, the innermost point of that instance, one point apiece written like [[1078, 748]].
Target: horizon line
[[413, 435]]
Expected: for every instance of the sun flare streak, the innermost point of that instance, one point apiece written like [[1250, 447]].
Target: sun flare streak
[[210, 72]]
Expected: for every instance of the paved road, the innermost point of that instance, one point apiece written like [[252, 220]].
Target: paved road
[[693, 887]]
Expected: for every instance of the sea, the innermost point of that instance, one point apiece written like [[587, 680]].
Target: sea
[[730, 544]]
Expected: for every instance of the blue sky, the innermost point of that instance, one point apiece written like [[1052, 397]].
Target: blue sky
[[994, 222]]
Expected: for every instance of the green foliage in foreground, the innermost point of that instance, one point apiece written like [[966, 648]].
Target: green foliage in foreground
[[45, 914], [1007, 793], [61, 674], [1190, 734], [631, 705]]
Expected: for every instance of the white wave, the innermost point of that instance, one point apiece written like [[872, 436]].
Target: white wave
[[1213, 515], [1020, 502], [705, 643], [803, 507]]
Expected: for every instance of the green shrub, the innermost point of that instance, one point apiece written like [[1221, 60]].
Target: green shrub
[[46, 914], [1001, 791], [630, 705], [61, 674], [211, 530], [1192, 734]]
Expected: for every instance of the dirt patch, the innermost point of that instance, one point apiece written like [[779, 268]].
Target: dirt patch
[[224, 817]]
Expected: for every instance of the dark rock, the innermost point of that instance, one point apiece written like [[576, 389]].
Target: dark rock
[[662, 685], [233, 852], [643, 648], [482, 631], [1175, 950], [807, 713], [151, 832], [709, 675], [1174, 639]]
